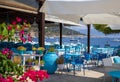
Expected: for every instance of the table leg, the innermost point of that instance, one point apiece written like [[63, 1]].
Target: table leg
[[113, 79]]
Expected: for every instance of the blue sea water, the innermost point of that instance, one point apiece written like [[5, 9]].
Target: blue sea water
[[101, 41]]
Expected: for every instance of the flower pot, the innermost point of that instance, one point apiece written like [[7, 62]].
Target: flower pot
[[40, 52], [17, 59], [50, 62], [60, 66], [21, 52]]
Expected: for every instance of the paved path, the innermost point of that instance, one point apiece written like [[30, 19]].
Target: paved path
[[94, 75]]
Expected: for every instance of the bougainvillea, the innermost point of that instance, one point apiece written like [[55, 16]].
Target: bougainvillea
[[7, 30], [7, 52], [34, 75]]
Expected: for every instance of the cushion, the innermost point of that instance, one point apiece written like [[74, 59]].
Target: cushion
[[117, 60]]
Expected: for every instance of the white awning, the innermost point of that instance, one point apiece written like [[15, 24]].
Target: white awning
[[80, 7], [59, 20], [92, 11], [114, 26], [101, 19]]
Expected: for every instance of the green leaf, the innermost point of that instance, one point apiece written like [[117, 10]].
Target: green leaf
[[5, 31], [12, 32]]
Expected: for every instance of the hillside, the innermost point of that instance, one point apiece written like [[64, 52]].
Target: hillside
[[54, 31]]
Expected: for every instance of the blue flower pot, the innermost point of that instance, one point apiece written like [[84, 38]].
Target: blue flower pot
[[21, 52], [40, 52], [50, 62]]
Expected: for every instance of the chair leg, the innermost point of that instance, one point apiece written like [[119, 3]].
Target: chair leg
[[84, 70], [74, 69]]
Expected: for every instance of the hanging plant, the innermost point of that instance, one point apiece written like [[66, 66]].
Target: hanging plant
[[7, 31], [105, 29]]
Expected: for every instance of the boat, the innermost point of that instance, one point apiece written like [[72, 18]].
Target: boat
[[116, 40]]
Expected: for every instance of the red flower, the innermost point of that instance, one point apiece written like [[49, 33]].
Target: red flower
[[14, 22], [34, 75], [22, 39], [1, 37], [25, 21], [7, 52], [9, 27], [9, 79], [29, 37], [18, 19], [22, 32]]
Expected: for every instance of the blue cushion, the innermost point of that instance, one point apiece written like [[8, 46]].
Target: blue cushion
[[117, 60]]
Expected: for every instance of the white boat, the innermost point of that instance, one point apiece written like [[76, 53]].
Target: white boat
[[116, 40]]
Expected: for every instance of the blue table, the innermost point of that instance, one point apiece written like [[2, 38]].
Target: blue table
[[115, 75]]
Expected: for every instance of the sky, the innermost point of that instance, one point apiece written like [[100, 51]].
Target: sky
[[83, 30]]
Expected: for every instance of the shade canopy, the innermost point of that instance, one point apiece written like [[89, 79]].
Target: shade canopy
[[92, 11], [80, 7], [114, 26], [101, 19], [59, 20], [27, 6]]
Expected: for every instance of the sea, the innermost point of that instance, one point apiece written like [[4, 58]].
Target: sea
[[99, 41]]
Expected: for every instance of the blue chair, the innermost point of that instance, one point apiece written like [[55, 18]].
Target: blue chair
[[78, 63], [67, 49], [67, 60]]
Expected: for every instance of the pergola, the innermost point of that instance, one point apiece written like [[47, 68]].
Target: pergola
[[9, 9]]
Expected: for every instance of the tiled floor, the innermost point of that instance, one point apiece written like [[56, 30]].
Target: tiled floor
[[92, 75]]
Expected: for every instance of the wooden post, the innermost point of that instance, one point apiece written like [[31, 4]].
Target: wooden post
[[41, 28], [60, 35], [41, 25], [88, 38]]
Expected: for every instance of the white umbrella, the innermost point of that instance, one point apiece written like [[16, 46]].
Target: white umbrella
[[101, 19], [114, 26], [72, 10], [80, 7]]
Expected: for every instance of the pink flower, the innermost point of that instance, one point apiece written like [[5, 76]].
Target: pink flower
[[29, 37], [22, 32], [34, 75], [1, 37], [7, 52], [14, 22], [22, 39], [9, 27], [9, 79], [18, 19], [25, 21]]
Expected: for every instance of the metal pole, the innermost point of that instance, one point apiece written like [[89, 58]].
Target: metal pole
[[88, 38], [61, 26]]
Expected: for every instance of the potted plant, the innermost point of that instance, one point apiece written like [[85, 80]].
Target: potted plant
[[34, 49], [21, 50], [41, 50], [29, 61], [50, 60], [60, 62]]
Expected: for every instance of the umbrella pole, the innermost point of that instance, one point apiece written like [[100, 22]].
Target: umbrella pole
[[88, 38], [61, 26]]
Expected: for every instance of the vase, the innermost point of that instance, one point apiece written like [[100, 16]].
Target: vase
[[40, 52], [21, 52], [17, 59], [50, 62]]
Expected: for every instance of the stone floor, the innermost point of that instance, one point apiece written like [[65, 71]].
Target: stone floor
[[92, 75]]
